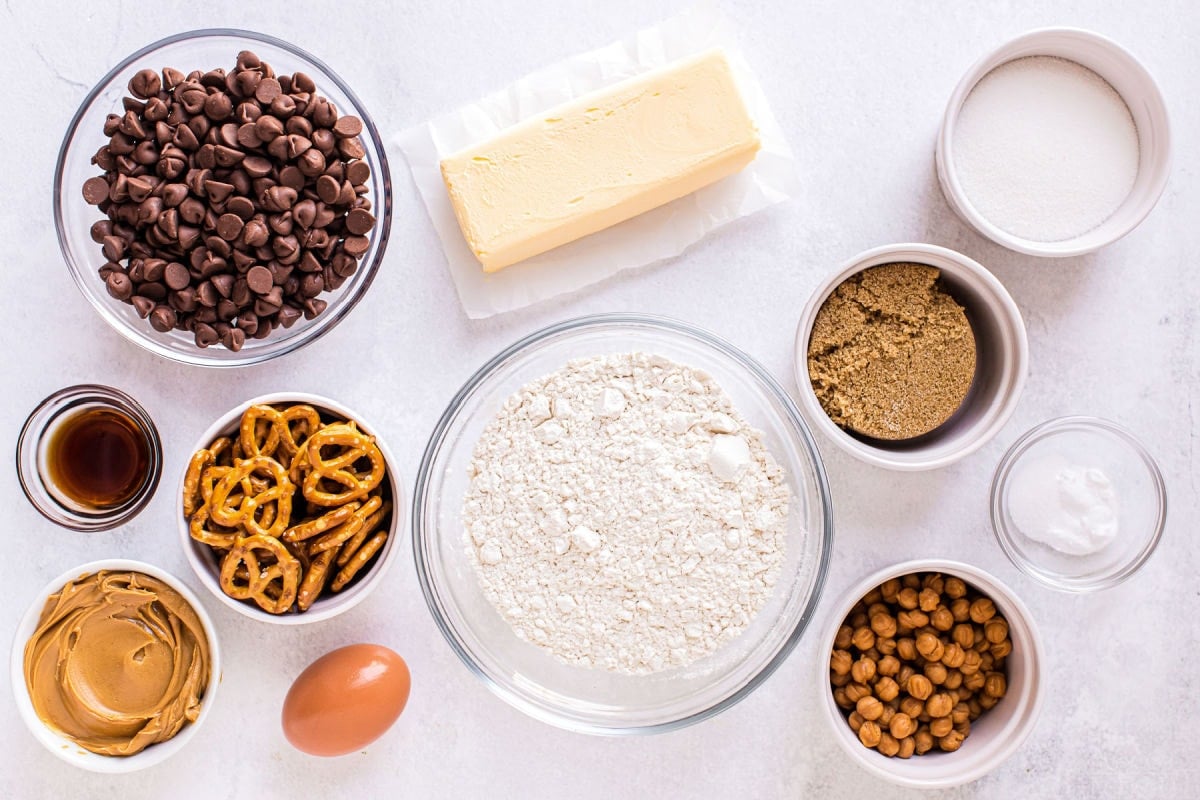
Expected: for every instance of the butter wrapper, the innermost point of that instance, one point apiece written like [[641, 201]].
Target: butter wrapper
[[658, 234]]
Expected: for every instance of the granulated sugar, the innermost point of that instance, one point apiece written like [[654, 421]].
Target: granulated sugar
[[624, 516], [1045, 149]]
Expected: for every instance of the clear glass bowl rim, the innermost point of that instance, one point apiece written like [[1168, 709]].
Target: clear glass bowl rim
[[422, 551], [1006, 537], [337, 312]]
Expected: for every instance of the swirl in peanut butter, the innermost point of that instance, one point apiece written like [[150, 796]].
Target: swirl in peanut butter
[[119, 661]]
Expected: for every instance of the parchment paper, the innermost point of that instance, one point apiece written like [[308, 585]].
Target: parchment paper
[[658, 234]]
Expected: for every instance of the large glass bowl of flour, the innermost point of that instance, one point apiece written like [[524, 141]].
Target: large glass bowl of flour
[[597, 700]]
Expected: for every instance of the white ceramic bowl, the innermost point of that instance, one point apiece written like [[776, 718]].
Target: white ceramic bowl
[[997, 733], [1001, 361], [329, 604], [1128, 77], [65, 748]]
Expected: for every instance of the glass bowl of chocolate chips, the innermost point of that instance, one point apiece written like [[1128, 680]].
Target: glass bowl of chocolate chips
[[222, 198]]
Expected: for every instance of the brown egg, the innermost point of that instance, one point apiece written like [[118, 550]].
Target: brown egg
[[345, 700]]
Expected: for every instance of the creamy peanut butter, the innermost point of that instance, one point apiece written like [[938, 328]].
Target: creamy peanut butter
[[119, 661]]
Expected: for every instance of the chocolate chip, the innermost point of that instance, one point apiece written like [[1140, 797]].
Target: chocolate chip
[[357, 172], [206, 335], [217, 191], [328, 189], [176, 275], [351, 148], [162, 318], [312, 285], [224, 283], [119, 285], [229, 226], [324, 140], [228, 156], [144, 83], [283, 106], [359, 222], [288, 315], [95, 191], [218, 106], [313, 307], [171, 78], [233, 339], [114, 248], [226, 310], [268, 89], [356, 245], [268, 128], [347, 126], [259, 279], [207, 294], [173, 194], [152, 290], [292, 177], [138, 188], [143, 306], [131, 125], [279, 198]]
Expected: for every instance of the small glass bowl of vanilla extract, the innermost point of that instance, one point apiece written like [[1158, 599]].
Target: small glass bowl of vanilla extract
[[89, 457]]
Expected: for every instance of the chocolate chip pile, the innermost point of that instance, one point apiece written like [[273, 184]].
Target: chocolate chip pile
[[931, 653], [233, 200]]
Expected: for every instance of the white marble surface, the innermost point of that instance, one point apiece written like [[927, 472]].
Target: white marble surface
[[860, 88]]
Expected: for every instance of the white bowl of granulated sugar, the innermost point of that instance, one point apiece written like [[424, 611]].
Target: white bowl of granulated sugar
[[1055, 144], [621, 524]]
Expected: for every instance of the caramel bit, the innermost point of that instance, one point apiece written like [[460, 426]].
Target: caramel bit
[[931, 662], [891, 354]]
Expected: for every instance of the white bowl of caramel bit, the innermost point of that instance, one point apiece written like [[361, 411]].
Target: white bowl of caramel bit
[[930, 673], [115, 665]]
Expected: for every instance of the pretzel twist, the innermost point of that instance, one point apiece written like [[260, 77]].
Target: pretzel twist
[[353, 446], [260, 576], [228, 511]]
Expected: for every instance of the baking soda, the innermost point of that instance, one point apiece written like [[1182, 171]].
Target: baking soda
[[1066, 506], [1045, 149]]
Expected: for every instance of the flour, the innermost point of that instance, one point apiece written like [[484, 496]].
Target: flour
[[622, 514]]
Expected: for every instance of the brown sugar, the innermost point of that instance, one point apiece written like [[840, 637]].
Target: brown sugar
[[891, 355]]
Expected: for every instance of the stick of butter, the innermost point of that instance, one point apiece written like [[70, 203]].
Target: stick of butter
[[600, 160]]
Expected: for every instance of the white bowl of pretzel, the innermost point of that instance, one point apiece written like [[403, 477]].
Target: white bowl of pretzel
[[290, 508]]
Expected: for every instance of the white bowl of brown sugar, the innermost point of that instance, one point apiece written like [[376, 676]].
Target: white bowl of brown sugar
[[910, 356]]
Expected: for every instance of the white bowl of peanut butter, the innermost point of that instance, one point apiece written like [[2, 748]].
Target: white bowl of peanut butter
[[115, 665]]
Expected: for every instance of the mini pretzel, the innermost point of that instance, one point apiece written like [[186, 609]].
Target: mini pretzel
[[313, 527], [264, 431], [347, 530], [222, 451], [309, 423], [191, 481], [231, 513], [369, 525], [314, 579], [260, 580], [364, 554], [339, 469], [216, 536]]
